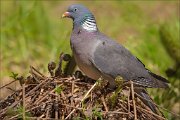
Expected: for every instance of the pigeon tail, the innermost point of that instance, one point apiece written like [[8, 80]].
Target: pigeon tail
[[145, 98], [162, 82]]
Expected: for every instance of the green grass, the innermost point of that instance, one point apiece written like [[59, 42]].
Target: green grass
[[33, 33]]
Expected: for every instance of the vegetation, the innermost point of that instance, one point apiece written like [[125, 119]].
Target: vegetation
[[33, 33]]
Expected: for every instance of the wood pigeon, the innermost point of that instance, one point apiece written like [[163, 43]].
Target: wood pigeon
[[97, 55]]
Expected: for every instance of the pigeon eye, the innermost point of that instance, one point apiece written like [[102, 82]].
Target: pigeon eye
[[75, 9]]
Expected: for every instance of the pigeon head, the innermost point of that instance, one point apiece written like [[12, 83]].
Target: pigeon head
[[81, 16]]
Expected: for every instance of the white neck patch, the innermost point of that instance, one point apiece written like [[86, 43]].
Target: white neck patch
[[90, 25]]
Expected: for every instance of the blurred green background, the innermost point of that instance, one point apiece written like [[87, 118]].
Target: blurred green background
[[33, 33]]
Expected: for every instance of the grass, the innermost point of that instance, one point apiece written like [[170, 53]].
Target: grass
[[33, 33]]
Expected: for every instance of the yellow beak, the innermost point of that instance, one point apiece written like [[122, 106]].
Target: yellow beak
[[66, 14]]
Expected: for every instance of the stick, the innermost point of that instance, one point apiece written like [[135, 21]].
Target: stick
[[114, 112], [151, 113], [104, 103], [134, 105], [72, 89], [56, 105], [13, 117], [128, 101], [7, 84], [158, 106], [81, 100], [23, 95], [34, 69]]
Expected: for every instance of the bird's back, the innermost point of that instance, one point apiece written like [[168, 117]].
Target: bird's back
[[114, 60]]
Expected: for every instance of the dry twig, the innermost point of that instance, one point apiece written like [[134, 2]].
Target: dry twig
[[134, 104], [45, 101]]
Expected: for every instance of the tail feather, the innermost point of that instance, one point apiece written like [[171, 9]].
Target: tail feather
[[161, 81], [145, 98], [159, 77]]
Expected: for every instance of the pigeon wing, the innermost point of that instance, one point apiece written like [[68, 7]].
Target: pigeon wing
[[114, 60]]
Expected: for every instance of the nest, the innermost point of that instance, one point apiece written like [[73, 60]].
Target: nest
[[65, 97]]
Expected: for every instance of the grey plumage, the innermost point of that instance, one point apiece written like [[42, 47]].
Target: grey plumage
[[114, 60], [98, 55]]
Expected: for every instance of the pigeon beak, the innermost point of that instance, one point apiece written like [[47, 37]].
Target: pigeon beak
[[66, 14]]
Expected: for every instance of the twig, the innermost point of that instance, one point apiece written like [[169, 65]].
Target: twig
[[158, 105], [134, 105], [56, 105], [35, 96], [13, 117], [104, 103], [43, 97], [81, 100], [48, 110], [11, 89], [128, 100], [7, 84], [114, 112], [78, 83], [144, 110], [79, 108], [34, 75], [37, 118], [72, 89], [122, 106], [91, 96], [63, 95], [67, 104], [33, 69], [23, 95], [149, 112], [35, 88], [41, 116]]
